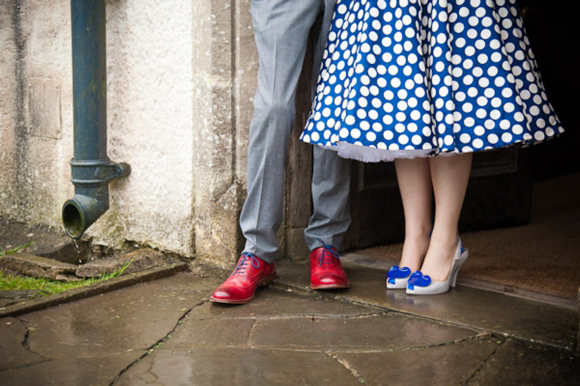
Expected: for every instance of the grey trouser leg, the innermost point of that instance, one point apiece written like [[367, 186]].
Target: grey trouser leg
[[281, 29]]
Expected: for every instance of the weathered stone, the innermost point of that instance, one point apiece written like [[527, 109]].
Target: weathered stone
[[138, 260], [332, 333], [237, 366], [25, 264], [9, 297], [199, 333], [130, 319], [42, 241], [86, 370], [150, 87], [18, 294], [271, 302], [526, 363], [451, 364], [167, 333], [511, 315], [13, 353]]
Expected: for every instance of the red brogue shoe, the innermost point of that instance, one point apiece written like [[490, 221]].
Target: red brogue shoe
[[326, 271], [239, 288]]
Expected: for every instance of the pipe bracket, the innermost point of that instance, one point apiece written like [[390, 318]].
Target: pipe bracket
[[97, 172]]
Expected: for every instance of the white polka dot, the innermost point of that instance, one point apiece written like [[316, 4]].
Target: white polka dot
[[465, 138], [477, 143], [506, 137], [517, 129]]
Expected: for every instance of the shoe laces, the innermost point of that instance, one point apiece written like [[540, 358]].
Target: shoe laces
[[243, 263], [328, 255]]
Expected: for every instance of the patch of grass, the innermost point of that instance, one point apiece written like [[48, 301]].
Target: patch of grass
[[49, 287]]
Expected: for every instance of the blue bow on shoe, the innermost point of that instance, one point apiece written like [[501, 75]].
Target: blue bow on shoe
[[418, 279], [396, 272]]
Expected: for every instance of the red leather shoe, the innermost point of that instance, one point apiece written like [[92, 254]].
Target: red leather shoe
[[326, 271], [239, 288]]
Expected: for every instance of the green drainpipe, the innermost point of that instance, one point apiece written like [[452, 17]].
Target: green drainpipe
[[92, 170]]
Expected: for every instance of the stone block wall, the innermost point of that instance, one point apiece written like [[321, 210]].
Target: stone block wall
[[35, 109], [181, 77]]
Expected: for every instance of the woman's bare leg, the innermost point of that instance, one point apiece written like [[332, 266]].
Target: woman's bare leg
[[450, 176], [414, 178]]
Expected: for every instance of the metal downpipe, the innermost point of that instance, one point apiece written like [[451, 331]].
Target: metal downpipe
[[91, 168]]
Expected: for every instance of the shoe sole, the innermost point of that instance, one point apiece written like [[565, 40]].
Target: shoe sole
[[452, 280], [265, 281], [329, 287], [226, 301]]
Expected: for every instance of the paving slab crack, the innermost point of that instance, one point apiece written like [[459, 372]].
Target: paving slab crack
[[347, 366], [300, 316], [28, 365], [25, 341], [250, 333], [413, 348], [484, 363], [26, 346], [151, 349]]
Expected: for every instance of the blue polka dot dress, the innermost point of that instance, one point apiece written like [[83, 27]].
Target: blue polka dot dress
[[419, 78]]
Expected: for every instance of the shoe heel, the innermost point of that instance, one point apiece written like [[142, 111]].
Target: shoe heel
[[456, 269], [454, 277], [269, 279]]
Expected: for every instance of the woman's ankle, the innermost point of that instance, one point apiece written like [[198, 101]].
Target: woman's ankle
[[439, 259], [414, 251]]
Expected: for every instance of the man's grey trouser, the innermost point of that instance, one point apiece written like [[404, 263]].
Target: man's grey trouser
[[281, 29]]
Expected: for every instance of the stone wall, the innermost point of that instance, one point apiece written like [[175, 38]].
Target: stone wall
[[35, 109], [225, 65], [177, 113]]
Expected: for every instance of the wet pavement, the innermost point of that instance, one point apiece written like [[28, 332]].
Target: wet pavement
[[166, 332]]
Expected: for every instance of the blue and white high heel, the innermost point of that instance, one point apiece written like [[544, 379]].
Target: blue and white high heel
[[419, 284], [397, 277]]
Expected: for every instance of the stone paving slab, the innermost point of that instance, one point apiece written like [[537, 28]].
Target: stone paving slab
[[90, 341], [377, 332], [132, 319], [285, 338], [26, 264], [334, 325], [166, 332], [283, 303], [86, 371], [488, 311], [12, 352], [450, 364], [523, 363], [237, 366]]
